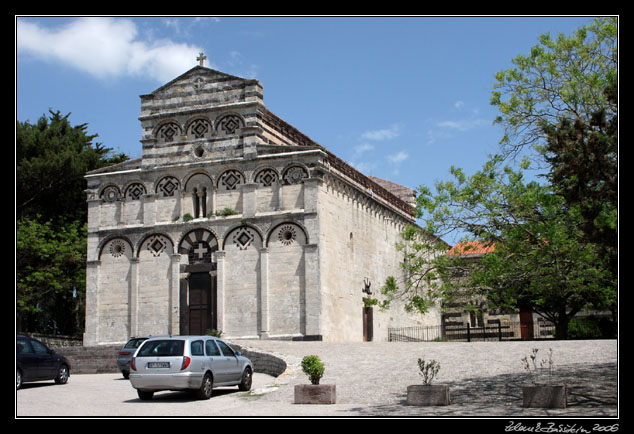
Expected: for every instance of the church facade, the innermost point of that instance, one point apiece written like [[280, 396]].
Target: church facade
[[233, 220]]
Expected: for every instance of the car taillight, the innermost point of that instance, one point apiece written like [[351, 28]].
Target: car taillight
[[124, 353], [133, 364], [186, 361]]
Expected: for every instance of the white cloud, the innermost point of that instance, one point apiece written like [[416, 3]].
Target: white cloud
[[383, 134], [398, 157], [462, 124], [106, 48], [459, 104], [362, 149]]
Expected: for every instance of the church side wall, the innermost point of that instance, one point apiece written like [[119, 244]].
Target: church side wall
[[357, 242]]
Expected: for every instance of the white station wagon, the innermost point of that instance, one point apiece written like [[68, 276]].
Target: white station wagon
[[197, 363]]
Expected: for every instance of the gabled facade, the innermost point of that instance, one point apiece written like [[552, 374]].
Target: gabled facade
[[235, 221]]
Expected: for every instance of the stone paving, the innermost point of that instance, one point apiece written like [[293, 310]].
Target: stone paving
[[485, 378]]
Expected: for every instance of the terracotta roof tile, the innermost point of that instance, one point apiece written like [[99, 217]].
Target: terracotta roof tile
[[472, 248]]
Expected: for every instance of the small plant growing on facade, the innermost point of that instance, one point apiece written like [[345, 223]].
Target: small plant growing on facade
[[226, 212], [313, 367], [428, 370], [188, 217]]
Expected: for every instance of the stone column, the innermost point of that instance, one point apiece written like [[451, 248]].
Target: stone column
[[264, 292], [134, 297], [312, 304], [92, 303], [220, 287], [174, 295]]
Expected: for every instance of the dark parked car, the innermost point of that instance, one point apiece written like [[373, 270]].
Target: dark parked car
[[36, 362], [126, 353]]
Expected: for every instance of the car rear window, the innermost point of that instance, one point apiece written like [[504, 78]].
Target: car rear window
[[166, 347], [134, 343]]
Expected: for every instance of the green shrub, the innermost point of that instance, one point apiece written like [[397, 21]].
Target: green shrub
[[225, 212], [313, 367], [428, 370]]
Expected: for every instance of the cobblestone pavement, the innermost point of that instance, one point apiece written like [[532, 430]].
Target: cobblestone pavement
[[371, 380]]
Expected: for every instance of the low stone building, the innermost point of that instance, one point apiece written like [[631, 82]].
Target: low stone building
[[235, 221]]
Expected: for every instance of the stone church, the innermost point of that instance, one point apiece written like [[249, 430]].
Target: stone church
[[233, 220]]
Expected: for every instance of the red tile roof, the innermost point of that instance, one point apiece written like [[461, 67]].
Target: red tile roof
[[472, 248]]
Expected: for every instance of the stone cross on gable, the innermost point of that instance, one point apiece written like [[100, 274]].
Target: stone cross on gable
[[201, 58]]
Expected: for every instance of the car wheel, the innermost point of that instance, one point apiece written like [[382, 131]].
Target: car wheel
[[145, 395], [247, 379], [206, 389], [62, 375], [18, 379]]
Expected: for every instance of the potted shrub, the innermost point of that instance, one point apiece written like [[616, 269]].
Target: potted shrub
[[538, 394], [314, 393], [427, 394]]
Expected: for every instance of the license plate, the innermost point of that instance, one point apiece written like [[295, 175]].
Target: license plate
[[158, 364]]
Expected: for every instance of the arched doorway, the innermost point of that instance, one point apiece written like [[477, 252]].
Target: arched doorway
[[198, 286]]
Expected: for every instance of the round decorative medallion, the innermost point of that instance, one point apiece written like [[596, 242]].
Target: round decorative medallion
[[117, 248], [287, 235]]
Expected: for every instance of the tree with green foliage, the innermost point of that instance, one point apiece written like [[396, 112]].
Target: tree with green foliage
[[52, 157], [562, 78], [555, 243], [541, 258]]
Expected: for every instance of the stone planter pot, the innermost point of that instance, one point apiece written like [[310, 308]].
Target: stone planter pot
[[427, 395], [544, 396], [315, 394]]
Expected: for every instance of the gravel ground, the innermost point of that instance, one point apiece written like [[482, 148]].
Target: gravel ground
[[371, 380], [485, 378]]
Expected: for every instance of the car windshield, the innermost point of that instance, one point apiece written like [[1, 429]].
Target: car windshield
[[162, 348]]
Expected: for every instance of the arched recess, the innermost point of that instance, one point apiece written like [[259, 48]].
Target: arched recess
[[287, 282], [242, 280], [155, 285], [114, 283], [198, 295], [198, 197]]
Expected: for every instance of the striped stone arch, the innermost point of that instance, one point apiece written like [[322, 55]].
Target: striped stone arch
[[198, 245]]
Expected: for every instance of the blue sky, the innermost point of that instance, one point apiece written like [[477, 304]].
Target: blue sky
[[401, 98]]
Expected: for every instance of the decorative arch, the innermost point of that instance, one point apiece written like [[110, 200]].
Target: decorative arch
[[230, 179], [265, 176], [116, 246], [287, 234], [199, 127], [156, 244], [134, 190], [295, 173], [167, 186], [167, 131], [110, 193], [243, 237], [229, 123], [198, 187], [198, 245]]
